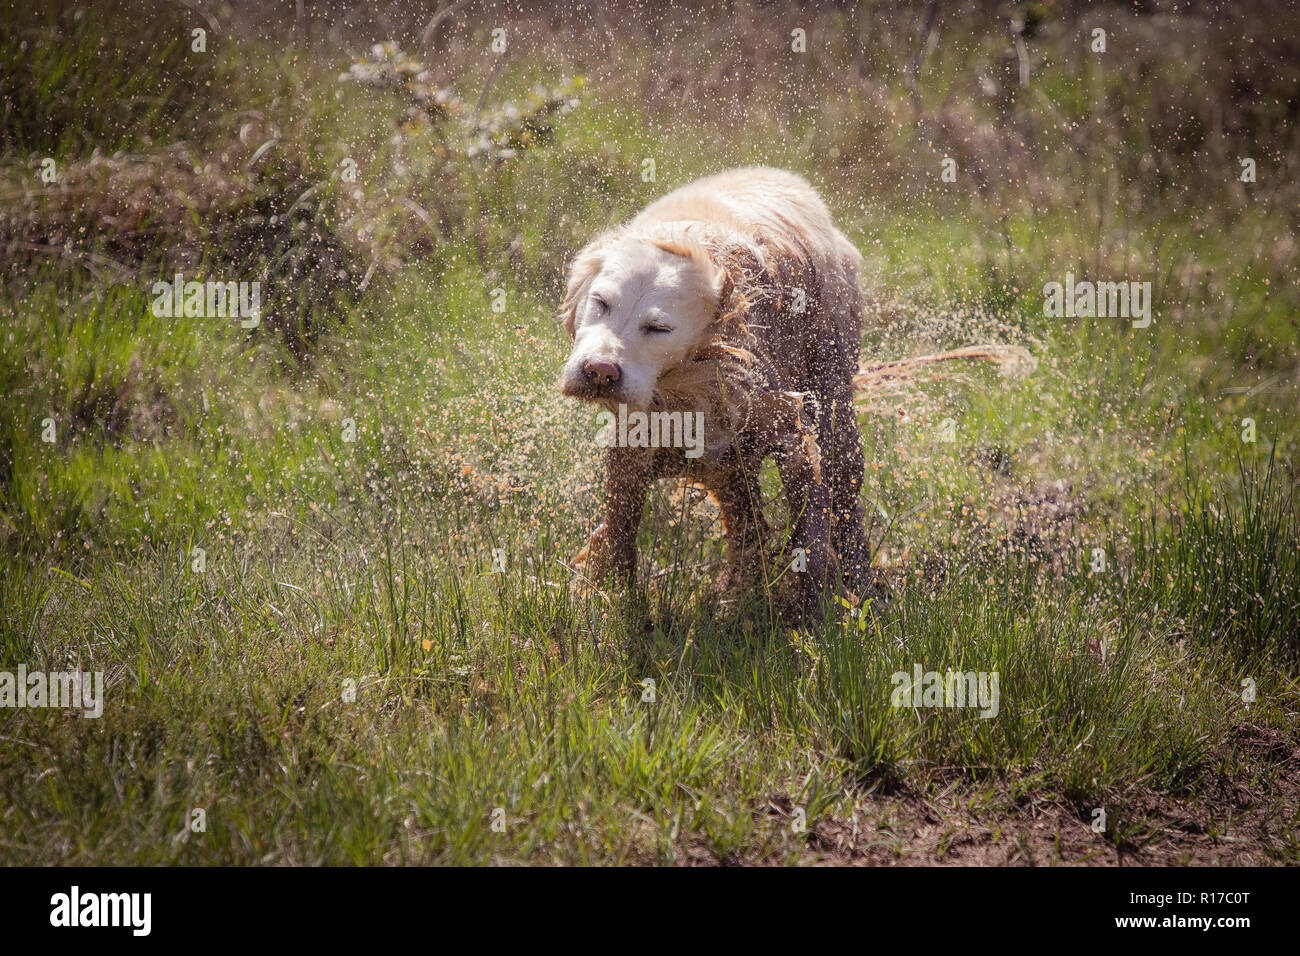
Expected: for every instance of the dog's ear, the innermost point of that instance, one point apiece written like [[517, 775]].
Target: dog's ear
[[586, 265], [718, 279], [725, 285]]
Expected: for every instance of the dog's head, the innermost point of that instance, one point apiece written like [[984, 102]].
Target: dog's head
[[636, 306]]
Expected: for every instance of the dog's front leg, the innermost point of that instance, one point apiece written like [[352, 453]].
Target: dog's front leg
[[612, 547]]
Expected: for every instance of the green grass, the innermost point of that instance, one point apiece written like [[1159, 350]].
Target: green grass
[[349, 467], [476, 691]]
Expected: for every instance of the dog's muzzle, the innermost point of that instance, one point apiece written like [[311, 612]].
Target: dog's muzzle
[[595, 381]]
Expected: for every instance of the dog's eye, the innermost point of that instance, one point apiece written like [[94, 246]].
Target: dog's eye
[[600, 303], [655, 329]]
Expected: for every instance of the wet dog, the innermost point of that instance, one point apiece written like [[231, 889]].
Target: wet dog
[[734, 297]]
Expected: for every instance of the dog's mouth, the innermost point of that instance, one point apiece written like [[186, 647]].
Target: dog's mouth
[[590, 392]]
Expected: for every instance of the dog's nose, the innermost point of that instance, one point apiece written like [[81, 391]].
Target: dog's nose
[[601, 373]]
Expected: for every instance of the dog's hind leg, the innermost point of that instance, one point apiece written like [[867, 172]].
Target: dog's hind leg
[[834, 360], [843, 465], [809, 553], [738, 497]]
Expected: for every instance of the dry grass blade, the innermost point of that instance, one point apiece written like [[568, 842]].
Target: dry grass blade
[[901, 375]]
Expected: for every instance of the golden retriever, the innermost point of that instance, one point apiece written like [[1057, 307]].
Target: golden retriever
[[733, 300]]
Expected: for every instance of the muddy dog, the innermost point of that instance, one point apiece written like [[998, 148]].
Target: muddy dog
[[734, 297]]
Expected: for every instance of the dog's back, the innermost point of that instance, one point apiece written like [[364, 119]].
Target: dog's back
[[778, 210]]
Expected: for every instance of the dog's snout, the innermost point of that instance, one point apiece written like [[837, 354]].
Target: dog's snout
[[601, 373]]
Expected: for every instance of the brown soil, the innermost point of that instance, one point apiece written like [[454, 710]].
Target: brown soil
[[1228, 824]]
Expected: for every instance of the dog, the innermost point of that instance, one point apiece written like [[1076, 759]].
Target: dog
[[737, 298]]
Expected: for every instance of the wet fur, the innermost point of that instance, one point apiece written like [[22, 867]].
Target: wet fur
[[772, 381]]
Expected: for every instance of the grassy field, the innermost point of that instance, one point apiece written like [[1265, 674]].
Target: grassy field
[[325, 563]]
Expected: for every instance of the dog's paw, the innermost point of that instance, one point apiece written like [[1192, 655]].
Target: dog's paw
[[742, 570], [799, 597], [603, 558]]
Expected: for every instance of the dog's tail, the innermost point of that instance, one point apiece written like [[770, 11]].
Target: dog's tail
[[877, 378]]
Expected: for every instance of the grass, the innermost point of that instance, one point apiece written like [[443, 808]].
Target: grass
[[476, 691], [348, 680]]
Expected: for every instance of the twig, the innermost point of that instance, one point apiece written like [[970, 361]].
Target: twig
[[914, 68], [213, 25], [437, 20], [487, 85]]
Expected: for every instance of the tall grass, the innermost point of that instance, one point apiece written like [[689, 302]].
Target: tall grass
[[1229, 566], [349, 467]]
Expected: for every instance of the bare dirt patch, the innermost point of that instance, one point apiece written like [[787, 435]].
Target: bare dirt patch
[[1229, 823]]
